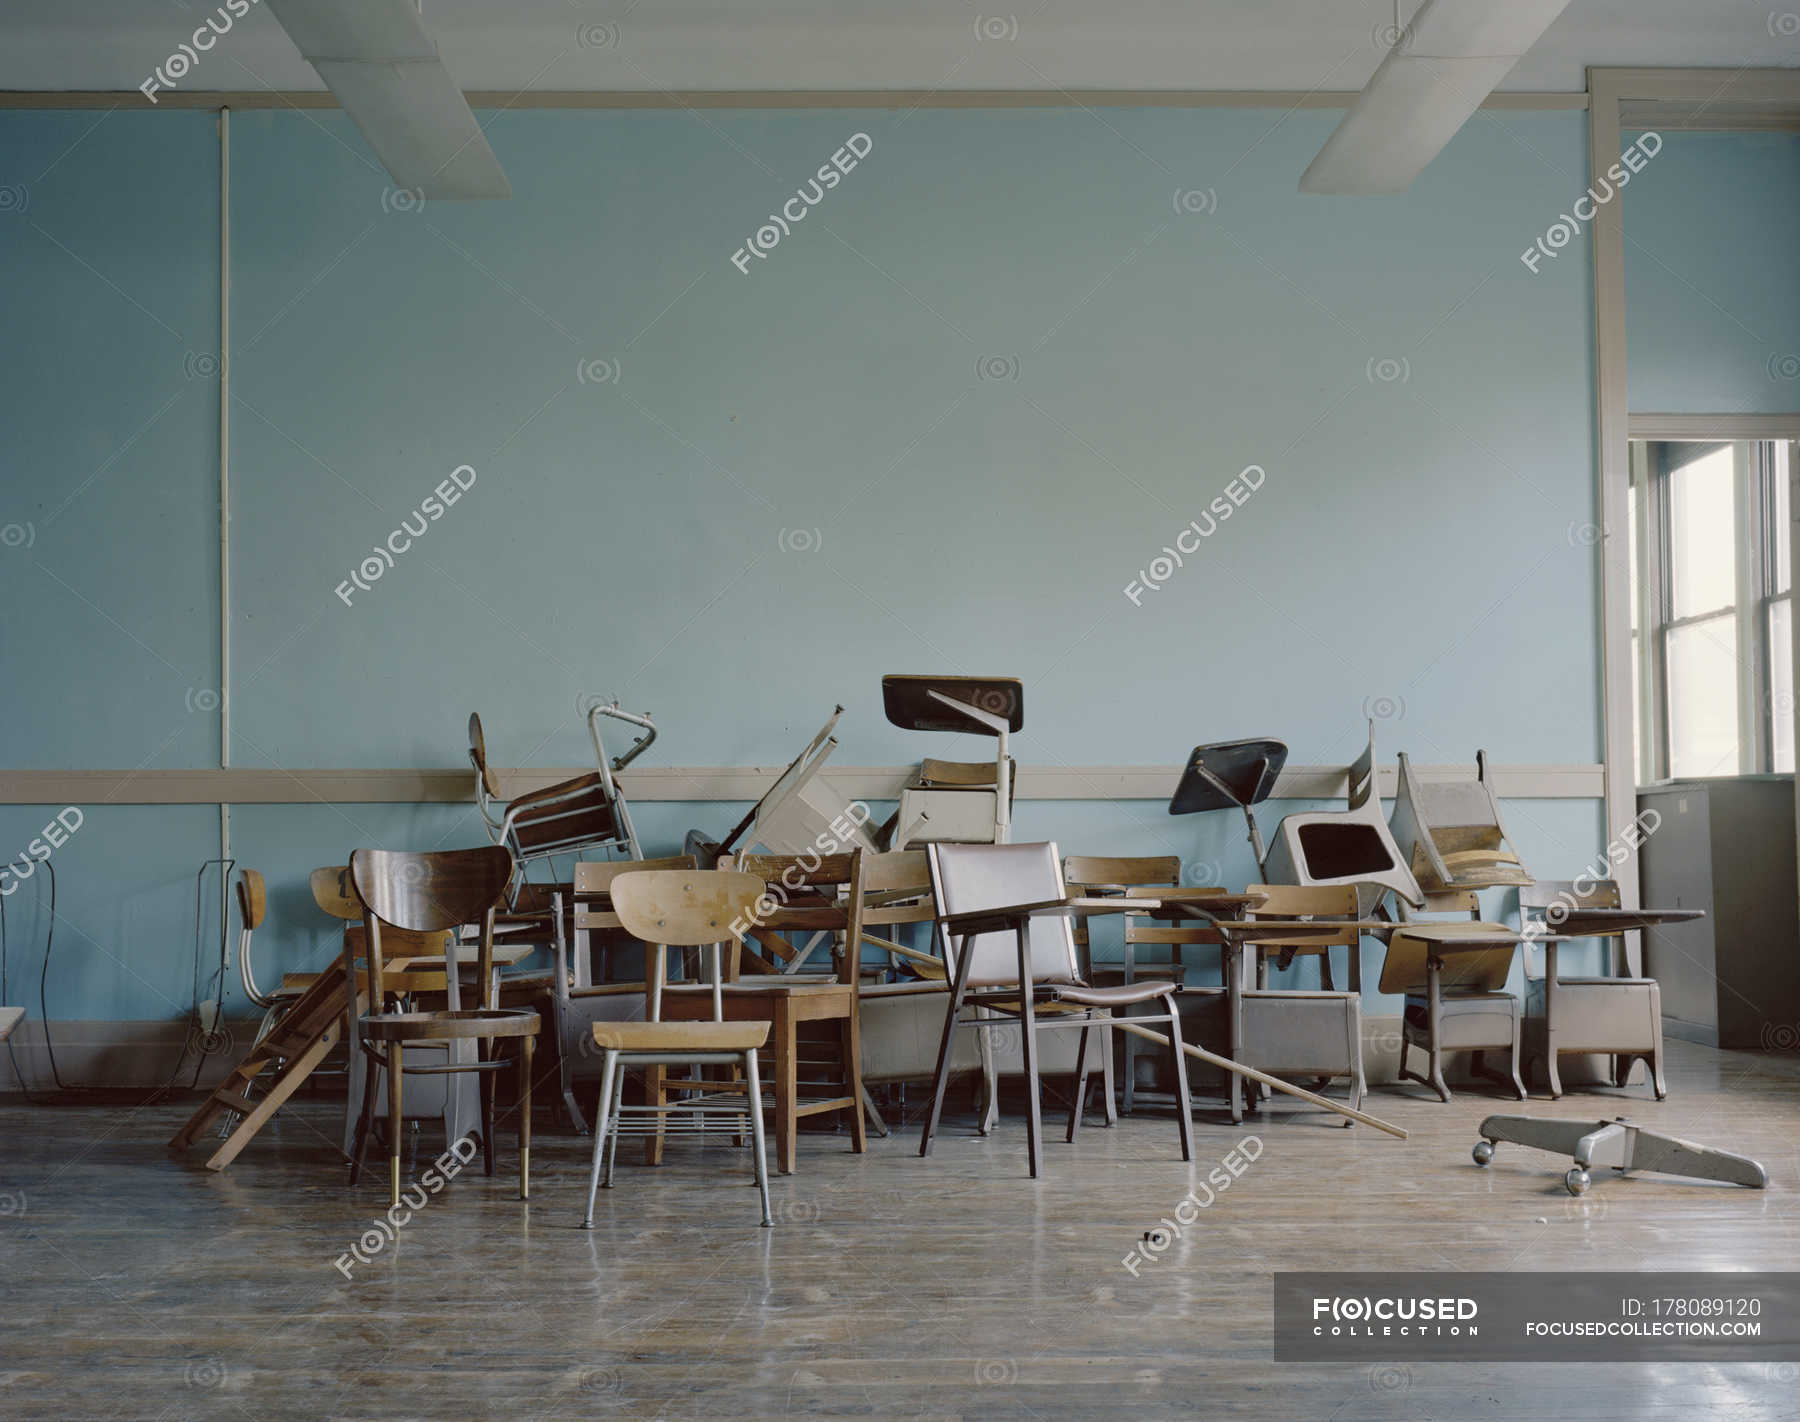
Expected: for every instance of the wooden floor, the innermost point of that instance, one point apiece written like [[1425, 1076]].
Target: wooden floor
[[138, 1285]]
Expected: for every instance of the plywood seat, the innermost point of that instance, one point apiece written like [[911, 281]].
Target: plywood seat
[[681, 1036]]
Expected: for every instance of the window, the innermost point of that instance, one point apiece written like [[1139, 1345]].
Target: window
[[1712, 600]]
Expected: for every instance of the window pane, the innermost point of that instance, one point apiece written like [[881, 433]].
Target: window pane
[[1779, 455], [1703, 698], [1781, 685], [1703, 533]]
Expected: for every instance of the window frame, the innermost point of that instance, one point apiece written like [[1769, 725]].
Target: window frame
[[1758, 537]]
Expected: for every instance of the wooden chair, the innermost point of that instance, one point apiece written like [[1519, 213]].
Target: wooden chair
[[1298, 1031], [681, 908], [1005, 916], [577, 1002], [1102, 877], [1452, 976], [806, 892], [1620, 1016], [434, 893], [413, 968]]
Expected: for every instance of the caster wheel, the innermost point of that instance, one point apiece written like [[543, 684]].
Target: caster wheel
[[1576, 1182], [1483, 1152]]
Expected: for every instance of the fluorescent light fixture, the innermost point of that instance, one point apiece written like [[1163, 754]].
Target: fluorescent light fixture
[[381, 62], [1444, 64]]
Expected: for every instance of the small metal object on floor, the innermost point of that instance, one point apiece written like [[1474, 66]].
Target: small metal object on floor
[[1621, 1145]]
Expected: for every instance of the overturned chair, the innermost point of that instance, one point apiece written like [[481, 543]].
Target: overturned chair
[[1343, 847], [582, 815], [1451, 834], [953, 801]]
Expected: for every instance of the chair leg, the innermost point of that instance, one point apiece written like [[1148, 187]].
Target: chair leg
[[1554, 1076], [1034, 1116], [525, 1053], [787, 1089], [612, 1137], [1184, 1110], [1081, 1078], [609, 1064], [1106, 1072], [365, 1118], [756, 1137], [396, 1072], [941, 1079], [486, 1085], [851, 1035], [1357, 1086], [656, 1095]]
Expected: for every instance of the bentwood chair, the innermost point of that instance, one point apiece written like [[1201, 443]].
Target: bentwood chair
[[435, 893], [1452, 976], [1621, 1016], [1005, 917], [688, 909]]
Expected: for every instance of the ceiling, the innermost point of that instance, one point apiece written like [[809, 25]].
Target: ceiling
[[510, 45]]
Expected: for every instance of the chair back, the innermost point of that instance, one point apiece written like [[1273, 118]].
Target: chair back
[[685, 908], [811, 892], [1405, 965], [431, 893], [1362, 773], [334, 891], [490, 783], [594, 880], [253, 899], [1539, 897], [972, 877], [1098, 876], [1312, 906]]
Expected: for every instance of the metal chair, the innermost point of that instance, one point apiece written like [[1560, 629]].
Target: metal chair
[[1343, 847], [681, 908], [1299, 1031], [434, 893], [1005, 918], [587, 813], [1620, 1016], [949, 801], [1099, 877], [1450, 831], [1452, 976]]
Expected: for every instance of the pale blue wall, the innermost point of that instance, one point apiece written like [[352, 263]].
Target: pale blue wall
[[1711, 285], [1419, 541]]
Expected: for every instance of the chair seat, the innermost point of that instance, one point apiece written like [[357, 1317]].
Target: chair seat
[[680, 1036], [1641, 984], [439, 1026], [751, 986], [868, 991], [1124, 995]]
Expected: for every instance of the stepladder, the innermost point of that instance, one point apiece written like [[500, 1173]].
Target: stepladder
[[291, 1051]]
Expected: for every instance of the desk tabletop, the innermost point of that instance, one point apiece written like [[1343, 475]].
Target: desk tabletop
[[1602, 922]]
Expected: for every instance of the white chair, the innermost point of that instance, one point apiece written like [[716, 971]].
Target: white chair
[[1007, 927], [1329, 848]]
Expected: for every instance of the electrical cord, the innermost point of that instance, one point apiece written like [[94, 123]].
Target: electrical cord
[[197, 1032]]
